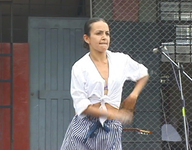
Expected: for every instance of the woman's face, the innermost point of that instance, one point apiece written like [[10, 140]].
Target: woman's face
[[99, 38]]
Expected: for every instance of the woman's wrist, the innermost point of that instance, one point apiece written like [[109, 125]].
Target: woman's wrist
[[131, 110], [111, 115]]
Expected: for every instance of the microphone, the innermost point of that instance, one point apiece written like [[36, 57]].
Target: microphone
[[161, 48], [155, 50]]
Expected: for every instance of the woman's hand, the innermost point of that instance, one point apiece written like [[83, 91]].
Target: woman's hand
[[123, 115]]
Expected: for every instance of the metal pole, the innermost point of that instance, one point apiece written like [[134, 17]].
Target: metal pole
[[1, 85], [11, 71], [183, 108], [12, 82], [0, 25], [91, 9]]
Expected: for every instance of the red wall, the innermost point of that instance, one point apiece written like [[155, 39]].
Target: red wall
[[126, 10], [21, 97]]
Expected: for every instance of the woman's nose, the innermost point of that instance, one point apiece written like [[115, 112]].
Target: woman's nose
[[104, 36]]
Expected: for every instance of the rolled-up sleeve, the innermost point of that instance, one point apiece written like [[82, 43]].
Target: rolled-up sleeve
[[134, 70], [78, 93]]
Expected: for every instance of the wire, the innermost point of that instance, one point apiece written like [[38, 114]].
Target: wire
[[164, 115]]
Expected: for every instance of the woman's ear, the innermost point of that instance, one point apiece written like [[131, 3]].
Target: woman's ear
[[86, 38]]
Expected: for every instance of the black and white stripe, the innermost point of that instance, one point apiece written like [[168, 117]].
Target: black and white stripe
[[79, 128]]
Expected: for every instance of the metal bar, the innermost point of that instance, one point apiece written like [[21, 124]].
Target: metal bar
[[12, 86], [1, 86], [5, 106], [11, 72], [5, 54], [91, 9], [4, 1], [1, 22], [7, 1], [5, 80]]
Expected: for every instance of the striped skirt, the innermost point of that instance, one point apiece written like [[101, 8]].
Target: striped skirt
[[76, 137]]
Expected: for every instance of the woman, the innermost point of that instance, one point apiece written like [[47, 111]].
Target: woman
[[96, 88]]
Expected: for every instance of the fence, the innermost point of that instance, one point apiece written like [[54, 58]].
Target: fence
[[137, 27]]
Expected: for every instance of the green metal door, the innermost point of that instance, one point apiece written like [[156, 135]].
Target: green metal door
[[55, 44]]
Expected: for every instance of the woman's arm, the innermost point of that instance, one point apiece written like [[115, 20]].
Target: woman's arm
[[95, 111], [130, 101], [121, 115]]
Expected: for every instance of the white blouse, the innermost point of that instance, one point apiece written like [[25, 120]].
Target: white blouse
[[87, 85]]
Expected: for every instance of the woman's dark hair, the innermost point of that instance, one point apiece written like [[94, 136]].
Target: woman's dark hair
[[87, 28]]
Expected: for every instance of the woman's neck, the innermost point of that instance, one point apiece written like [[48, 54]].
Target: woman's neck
[[99, 57]]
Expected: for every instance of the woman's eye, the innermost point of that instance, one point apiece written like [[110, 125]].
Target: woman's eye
[[98, 33]]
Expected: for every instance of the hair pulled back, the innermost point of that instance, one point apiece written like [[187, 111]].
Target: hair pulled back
[[87, 28]]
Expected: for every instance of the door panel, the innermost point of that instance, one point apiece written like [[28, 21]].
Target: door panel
[[55, 44]]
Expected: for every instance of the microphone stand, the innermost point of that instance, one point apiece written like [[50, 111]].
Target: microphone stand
[[180, 70]]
